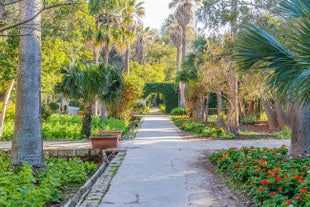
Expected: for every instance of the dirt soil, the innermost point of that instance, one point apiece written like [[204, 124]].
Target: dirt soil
[[260, 127], [223, 192]]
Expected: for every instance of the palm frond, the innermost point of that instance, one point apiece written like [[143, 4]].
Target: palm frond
[[294, 8], [255, 45]]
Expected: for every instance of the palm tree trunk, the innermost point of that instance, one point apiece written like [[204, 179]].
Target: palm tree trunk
[[103, 116], [233, 106], [96, 55], [127, 58], [300, 142], [184, 38], [207, 107], [87, 118], [219, 98], [281, 117], [5, 103], [271, 114], [27, 144]]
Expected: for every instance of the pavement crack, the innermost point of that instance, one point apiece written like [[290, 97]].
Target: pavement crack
[[135, 201]]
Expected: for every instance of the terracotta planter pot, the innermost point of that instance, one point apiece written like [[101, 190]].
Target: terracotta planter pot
[[104, 141], [111, 132]]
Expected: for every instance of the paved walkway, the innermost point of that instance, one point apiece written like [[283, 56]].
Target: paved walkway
[[161, 169]]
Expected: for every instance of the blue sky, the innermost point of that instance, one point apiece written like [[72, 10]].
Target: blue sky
[[156, 11]]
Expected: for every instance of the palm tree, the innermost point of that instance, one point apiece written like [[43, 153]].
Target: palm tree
[[291, 74], [132, 15], [175, 31], [143, 38], [184, 15], [27, 144], [85, 83]]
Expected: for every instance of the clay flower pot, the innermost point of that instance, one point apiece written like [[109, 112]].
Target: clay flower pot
[[104, 141], [110, 132]]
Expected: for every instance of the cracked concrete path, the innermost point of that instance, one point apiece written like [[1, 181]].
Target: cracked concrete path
[[160, 169]]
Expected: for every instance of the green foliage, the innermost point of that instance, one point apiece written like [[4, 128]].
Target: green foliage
[[148, 73], [199, 128], [268, 176], [67, 127], [178, 111], [251, 119], [45, 112], [21, 188], [130, 93], [286, 133], [53, 106], [168, 90], [140, 108], [162, 107]]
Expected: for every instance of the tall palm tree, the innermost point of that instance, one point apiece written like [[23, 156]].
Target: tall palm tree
[[27, 144], [143, 38], [132, 14], [291, 74], [184, 15]]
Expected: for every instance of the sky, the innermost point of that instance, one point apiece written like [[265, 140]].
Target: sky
[[156, 11]]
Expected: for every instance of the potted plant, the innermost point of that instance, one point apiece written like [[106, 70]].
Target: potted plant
[[104, 141], [111, 132]]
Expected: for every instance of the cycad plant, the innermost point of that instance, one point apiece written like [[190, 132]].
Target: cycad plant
[[290, 77], [85, 83]]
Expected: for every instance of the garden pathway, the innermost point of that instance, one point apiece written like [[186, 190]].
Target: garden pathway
[[164, 169]]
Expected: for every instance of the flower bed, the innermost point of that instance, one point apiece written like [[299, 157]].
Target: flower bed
[[268, 177], [199, 128], [67, 127], [21, 188]]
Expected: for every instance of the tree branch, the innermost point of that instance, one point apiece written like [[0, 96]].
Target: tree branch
[[39, 12]]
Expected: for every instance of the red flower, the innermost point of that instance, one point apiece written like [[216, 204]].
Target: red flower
[[299, 198], [265, 182], [272, 193], [299, 178], [303, 191], [280, 189], [220, 158], [224, 155], [288, 202], [278, 178], [260, 189], [248, 159]]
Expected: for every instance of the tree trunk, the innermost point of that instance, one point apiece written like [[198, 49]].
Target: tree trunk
[[184, 38], [103, 115], [5, 103], [281, 117], [87, 118], [300, 142], [127, 58], [219, 98], [271, 114], [207, 108], [96, 55], [27, 144], [233, 106], [178, 59], [106, 54], [182, 94], [251, 108]]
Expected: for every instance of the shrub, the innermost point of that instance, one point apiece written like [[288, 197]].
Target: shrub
[[162, 108], [199, 128], [140, 108], [178, 111], [267, 175], [251, 119], [286, 133], [53, 106], [21, 188], [67, 127]]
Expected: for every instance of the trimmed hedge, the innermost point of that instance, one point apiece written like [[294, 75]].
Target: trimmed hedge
[[168, 90]]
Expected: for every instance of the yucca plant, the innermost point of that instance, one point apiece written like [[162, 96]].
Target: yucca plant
[[290, 76]]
